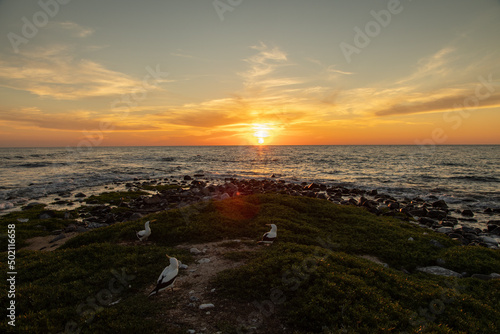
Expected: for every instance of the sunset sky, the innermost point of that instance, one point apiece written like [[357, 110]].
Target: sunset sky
[[247, 72]]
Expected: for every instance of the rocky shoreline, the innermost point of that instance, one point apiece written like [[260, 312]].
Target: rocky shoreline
[[159, 195]]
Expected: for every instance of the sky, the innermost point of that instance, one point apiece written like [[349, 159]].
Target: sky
[[249, 72]]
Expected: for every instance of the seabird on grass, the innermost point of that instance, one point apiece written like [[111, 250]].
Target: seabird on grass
[[270, 236], [167, 277], [144, 234]]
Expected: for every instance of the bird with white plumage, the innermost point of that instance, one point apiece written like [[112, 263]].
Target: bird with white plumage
[[167, 277], [144, 234], [269, 237]]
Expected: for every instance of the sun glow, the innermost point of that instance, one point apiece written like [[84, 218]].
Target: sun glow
[[261, 131]]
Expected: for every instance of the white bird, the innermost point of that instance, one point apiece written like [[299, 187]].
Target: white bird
[[144, 234], [167, 277], [270, 236]]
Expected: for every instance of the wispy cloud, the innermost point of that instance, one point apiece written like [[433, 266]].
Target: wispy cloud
[[76, 29], [54, 72]]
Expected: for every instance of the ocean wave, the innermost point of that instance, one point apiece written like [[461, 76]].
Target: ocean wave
[[475, 178]]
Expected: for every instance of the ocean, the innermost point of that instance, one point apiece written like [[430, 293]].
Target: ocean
[[467, 176]]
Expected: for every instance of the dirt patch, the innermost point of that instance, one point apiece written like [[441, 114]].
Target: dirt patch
[[193, 289], [45, 244]]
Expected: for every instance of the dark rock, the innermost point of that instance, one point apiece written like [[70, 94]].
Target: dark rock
[[440, 204], [373, 192], [437, 214], [467, 213], [394, 205], [492, 227], [471, 236], [496, 231], [322, 196], [80, 195], [31, 205], [312, 186], [199, 175], [427, 221], [488, 211], [418, 212], [455, 236], [447, 223], [187, 178]]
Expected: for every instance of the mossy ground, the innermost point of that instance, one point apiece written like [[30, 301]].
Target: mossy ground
[[311, 280]]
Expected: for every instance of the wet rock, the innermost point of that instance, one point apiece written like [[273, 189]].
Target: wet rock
[[428, 221], [437, 214], [80, 195], [418, 212], [444, 229], [467, 213], [394, 205], [496, 231], [187, 178], [488, 240], [440, 204]]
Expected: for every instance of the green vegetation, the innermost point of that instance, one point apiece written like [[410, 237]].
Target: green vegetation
[[35, 226], [311, 280]]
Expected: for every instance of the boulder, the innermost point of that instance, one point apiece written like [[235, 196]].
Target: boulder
[[467, 213], [440, 204], [437, 270], [437, 214]]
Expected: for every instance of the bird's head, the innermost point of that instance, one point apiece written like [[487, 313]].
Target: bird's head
[[173, 260], [273, 226]]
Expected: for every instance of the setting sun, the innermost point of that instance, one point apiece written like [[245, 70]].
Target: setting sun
[[261, 131]]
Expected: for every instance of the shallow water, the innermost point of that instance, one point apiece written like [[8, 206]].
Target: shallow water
[[465, 175]]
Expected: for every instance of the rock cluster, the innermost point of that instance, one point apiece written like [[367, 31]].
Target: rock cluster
[[435, 214]]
